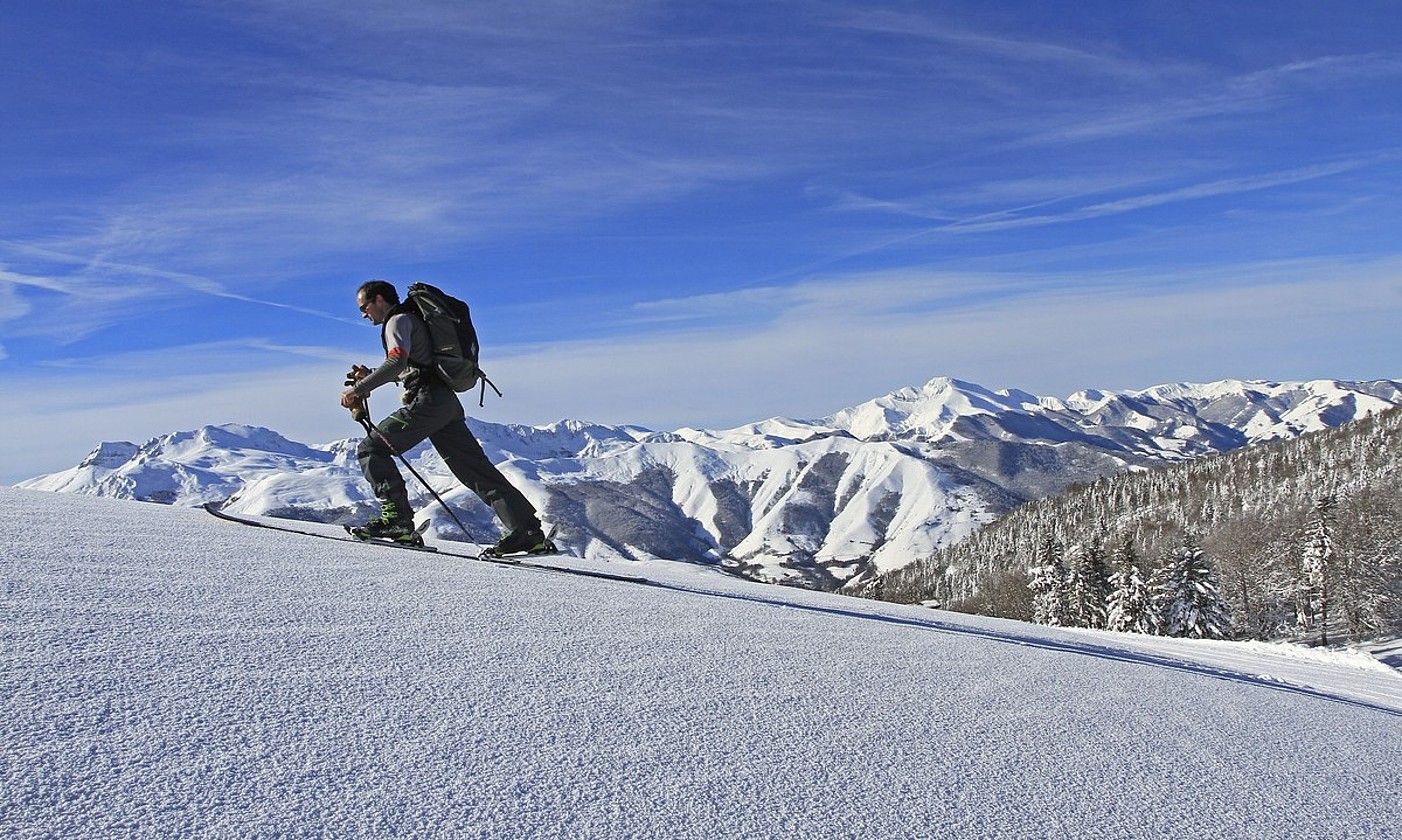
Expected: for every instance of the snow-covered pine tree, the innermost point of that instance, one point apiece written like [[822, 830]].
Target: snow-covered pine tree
[[1160, 592], [1193, 605], [1261, 497], [1257, 572], [1074, 616], [1317, 567], [1050, 583], [1368, 545], [1127, 608], [1090, 589]]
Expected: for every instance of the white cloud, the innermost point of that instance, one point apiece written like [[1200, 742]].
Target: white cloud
[[999, 48], [73, 306], [12, 304], [828, 344], [51, 424], [815, 348], [1163, 106], [95, 292], [1016, 217], [194, 360], [11, 282]]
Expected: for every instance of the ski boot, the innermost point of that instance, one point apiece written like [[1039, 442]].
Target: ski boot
[[390, 526], [530, 540]]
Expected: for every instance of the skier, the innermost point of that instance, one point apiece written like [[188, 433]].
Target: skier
[[430, 410]]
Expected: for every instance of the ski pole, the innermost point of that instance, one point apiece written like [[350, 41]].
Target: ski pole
[[361, 414]]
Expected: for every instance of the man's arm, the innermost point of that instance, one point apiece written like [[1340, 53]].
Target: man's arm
[[396, 360]]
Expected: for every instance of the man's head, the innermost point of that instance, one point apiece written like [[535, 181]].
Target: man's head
[[375, 299]]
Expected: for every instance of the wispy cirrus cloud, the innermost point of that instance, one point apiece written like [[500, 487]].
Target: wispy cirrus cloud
[[97, 292], [556, 117], [1000, 47], [72, 306], [205, 176], [806, 349], [455, 166], [1210, 97], [206, 357], [1003, 220], [1008, 218], [815, 346]]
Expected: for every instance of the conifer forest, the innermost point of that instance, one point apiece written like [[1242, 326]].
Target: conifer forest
[[1298, 539]]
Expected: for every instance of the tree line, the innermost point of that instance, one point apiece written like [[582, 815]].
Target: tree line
[[1297, 539]]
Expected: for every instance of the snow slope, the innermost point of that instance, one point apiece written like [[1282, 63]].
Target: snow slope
[[168, 674]]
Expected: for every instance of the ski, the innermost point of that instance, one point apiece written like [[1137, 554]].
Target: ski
[[216, 509]]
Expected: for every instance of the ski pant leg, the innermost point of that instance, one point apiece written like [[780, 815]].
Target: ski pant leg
[[398, 433], [465, 458]]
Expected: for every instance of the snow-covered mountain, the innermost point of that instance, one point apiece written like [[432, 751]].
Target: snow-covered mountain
[[824, 503]]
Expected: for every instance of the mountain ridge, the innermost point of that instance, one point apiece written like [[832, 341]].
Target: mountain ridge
[[826, 503]]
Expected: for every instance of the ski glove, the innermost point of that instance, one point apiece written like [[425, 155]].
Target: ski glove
[[356, 373]]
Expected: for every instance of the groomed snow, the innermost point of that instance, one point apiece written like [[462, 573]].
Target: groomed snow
[[168, 674]]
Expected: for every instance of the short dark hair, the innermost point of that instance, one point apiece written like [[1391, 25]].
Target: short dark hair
[[371, 289]]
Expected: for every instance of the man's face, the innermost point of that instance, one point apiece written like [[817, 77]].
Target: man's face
[[376, 309]]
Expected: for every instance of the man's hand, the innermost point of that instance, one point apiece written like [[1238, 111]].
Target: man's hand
[[349, 398], [356, 373]]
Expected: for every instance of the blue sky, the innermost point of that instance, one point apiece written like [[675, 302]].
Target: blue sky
[[685, 213]]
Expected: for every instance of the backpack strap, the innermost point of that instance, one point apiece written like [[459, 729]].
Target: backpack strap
[[413, 380], [398, 309], [482, 395], [403, 308]]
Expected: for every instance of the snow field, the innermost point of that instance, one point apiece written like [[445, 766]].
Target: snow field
[[167, 674]]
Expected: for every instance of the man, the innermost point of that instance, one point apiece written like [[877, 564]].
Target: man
[[430, 410]]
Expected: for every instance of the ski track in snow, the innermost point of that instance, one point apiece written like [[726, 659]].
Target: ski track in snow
[[168, 674]]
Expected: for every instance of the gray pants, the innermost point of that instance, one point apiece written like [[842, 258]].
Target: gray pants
[[435, 413]]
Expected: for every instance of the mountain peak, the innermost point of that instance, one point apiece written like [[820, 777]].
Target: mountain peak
[[927, 413], [228, 436], [826, 502], [110, 454], [948, 383]]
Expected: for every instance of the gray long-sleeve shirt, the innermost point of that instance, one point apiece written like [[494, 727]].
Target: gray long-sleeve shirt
[[406, 340]]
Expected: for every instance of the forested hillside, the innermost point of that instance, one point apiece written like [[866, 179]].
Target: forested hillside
[[1300, 539]]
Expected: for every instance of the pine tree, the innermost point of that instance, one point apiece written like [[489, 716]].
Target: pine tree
[[1090, 585], [1367, 542], [1251, 508], [1161, 591], [1050, 582], [1317, 568], [1127, 608], [1075, 615], [1193, 602]]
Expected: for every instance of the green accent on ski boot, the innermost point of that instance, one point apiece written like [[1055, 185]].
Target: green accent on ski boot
[[390, 525], [401, 536]]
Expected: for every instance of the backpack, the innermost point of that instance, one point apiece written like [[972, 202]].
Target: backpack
[[455, 348]]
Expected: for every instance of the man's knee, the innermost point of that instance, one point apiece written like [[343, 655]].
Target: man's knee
[[371, 446]]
